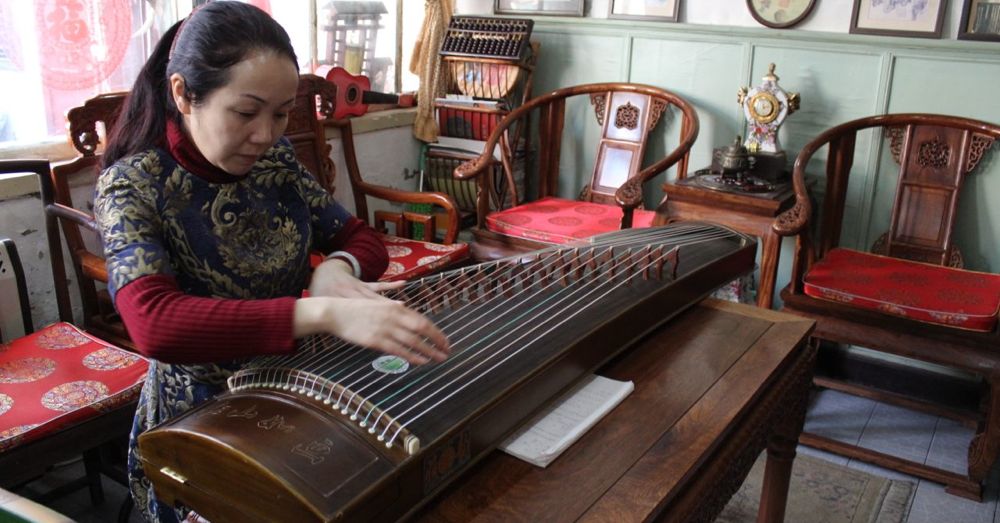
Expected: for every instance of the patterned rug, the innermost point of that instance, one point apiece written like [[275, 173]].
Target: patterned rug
[[822, 492]]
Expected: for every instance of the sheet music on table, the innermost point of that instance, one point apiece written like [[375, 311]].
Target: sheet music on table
[[543, 438]]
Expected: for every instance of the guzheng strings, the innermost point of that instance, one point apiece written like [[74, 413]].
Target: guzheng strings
[[490, 312]]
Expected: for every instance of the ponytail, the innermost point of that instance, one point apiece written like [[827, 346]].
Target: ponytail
[[143, 121]]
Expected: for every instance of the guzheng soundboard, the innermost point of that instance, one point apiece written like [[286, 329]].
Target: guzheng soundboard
[[337, 432]]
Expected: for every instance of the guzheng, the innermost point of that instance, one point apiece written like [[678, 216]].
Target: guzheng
[[337, 432]]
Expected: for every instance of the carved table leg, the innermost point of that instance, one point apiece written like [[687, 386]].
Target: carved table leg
[[777, 475], [781, 449]]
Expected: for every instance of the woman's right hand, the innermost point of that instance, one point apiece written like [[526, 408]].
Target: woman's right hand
[[376, 323]]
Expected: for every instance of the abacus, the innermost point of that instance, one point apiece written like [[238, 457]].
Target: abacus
[[480, 37]]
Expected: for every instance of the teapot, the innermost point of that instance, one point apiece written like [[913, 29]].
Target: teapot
[[734, 158]]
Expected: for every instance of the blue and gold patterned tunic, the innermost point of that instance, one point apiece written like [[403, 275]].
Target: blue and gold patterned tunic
[[247, 239]]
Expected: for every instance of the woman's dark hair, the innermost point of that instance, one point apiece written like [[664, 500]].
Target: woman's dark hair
[[202, 48]]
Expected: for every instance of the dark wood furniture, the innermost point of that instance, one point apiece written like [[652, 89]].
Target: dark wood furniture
[[402, 221], [88, 124], [748, 213], [624, 116], [99, 436], [307, 131], [712, 388], [935, 154]]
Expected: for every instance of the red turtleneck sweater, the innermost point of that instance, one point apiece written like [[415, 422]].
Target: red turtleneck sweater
[[170, 326]]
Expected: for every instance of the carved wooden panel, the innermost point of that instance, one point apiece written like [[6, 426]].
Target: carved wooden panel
[[82, 121], [933, 161], [627, 116]]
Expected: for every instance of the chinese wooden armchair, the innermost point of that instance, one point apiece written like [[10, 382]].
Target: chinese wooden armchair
[[87, 125], [65, 392], [409, 258], [908, 296], [625, 115]]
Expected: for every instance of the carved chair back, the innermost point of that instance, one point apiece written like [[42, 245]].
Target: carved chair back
[[306, 131], [935, 153], [88, 125], [934, 159], [625, 113], [626, 119]]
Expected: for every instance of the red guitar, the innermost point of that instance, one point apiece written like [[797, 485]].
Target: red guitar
[[354, 94]]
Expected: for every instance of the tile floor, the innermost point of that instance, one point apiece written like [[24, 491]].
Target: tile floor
[[918, 436], [921, 437]]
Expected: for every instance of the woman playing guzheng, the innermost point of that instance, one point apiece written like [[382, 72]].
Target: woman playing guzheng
[[208, 220]]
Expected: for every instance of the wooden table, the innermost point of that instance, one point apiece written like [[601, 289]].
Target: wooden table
[[713, 388], [748, 213]]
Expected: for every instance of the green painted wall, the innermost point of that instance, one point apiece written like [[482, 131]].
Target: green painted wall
[[840, 77]]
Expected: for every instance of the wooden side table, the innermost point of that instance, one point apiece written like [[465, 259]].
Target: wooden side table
[[713, 388], [749, 213]]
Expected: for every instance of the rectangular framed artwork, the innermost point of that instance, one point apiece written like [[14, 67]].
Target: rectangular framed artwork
[[660, 10], [980, 20], [919, 18], [539, 7]]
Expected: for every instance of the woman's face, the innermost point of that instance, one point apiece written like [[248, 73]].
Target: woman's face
[[234, 125]]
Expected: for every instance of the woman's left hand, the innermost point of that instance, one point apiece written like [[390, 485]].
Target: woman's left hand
[[335, 278]]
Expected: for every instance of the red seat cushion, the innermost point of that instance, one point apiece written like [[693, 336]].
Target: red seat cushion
[[60, 376], [919, 291], [555, 220], [410, 259]]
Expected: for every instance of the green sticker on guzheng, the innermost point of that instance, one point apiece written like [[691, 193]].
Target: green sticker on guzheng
[[390, 364]]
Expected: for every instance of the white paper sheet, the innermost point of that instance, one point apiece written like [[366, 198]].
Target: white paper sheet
[[543, 438]]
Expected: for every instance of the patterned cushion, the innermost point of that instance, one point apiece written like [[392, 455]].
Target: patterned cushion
[[555, 220], [919, 291], [60, 376], [413, 258], [410, 259]]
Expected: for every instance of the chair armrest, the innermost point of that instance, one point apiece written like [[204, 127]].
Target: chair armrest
[[74, 215], [93, 266], [472, 168], [435, 198], [629, 195], [795, 219]]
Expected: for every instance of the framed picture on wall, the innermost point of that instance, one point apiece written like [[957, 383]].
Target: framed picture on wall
[[539, 7], [920, 18], [980, 20], [780, 15], [661, 10]]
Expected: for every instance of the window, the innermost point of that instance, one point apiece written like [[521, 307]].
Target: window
[[362, 37], [55, 54]]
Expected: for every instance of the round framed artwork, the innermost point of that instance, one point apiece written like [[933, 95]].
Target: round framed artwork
[[780, 14]]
